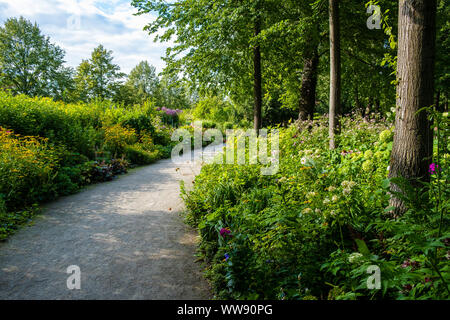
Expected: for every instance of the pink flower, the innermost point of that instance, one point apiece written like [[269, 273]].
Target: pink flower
[[224, 232], [432, 169]]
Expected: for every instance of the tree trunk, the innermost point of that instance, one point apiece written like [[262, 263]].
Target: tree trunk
[[357, 100], [335, 71], [257, 121], [438, 101], [412, 149], [309, 84]]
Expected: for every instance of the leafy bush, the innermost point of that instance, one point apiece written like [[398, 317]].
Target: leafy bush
[[119, 166], [72, 127], [10, 221], [140, 120], [312, 230], [50, 148], [27, 169], [138, 155], [118, 137]]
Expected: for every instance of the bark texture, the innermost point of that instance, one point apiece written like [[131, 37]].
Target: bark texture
[[335, 71], [438, 101], [412, 147], [309, 85]]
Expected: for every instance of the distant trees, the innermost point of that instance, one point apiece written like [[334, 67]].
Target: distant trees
[[98, 76], [256, 52], [143, 81], [217, 47], [30, 63]]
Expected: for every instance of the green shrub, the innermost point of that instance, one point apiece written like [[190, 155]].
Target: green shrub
[[27, 168], [312, 230], [50, 148], [118, 137], [11, 221], [207, 124], [138, 155]]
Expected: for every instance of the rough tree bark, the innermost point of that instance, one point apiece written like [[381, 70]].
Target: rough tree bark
[[257, 121], [412, 147], [335, 71], [309, 85], [437, 102]]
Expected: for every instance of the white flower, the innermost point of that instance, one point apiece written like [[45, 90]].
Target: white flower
[[307, 210], [311, 194], [317, 210], [334, 198], [326, 201], [348, 184], [355, 257], [331, 188], [388, 168], [346, 191], [303, 161]]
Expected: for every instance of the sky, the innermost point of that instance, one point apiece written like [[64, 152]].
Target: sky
[[78, 26]]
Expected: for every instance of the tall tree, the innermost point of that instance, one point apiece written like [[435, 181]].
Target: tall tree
[[216, 47], [309, 84], [29, 62], [442, 84], [335, 71], [173, 93], [291, 37], [98, 77], [143, 81], [412, 149]]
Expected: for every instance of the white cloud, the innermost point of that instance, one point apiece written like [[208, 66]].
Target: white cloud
[[78, 26]]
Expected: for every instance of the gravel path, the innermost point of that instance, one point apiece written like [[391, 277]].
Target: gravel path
[[126, 236]]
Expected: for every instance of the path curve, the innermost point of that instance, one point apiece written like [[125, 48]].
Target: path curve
[[126, 236]]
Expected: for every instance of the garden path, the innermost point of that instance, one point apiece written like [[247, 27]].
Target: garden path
[[126, 236]]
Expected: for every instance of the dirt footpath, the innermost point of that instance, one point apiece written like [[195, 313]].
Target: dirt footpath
[[126, 236]]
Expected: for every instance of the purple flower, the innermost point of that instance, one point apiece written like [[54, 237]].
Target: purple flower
[[224, 232], [227, 256], [433, 167]]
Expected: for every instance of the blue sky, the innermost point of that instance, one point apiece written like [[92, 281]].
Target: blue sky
[[78, 26]]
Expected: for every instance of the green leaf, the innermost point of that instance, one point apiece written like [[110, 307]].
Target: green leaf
[[386, 183], [362, 247]]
